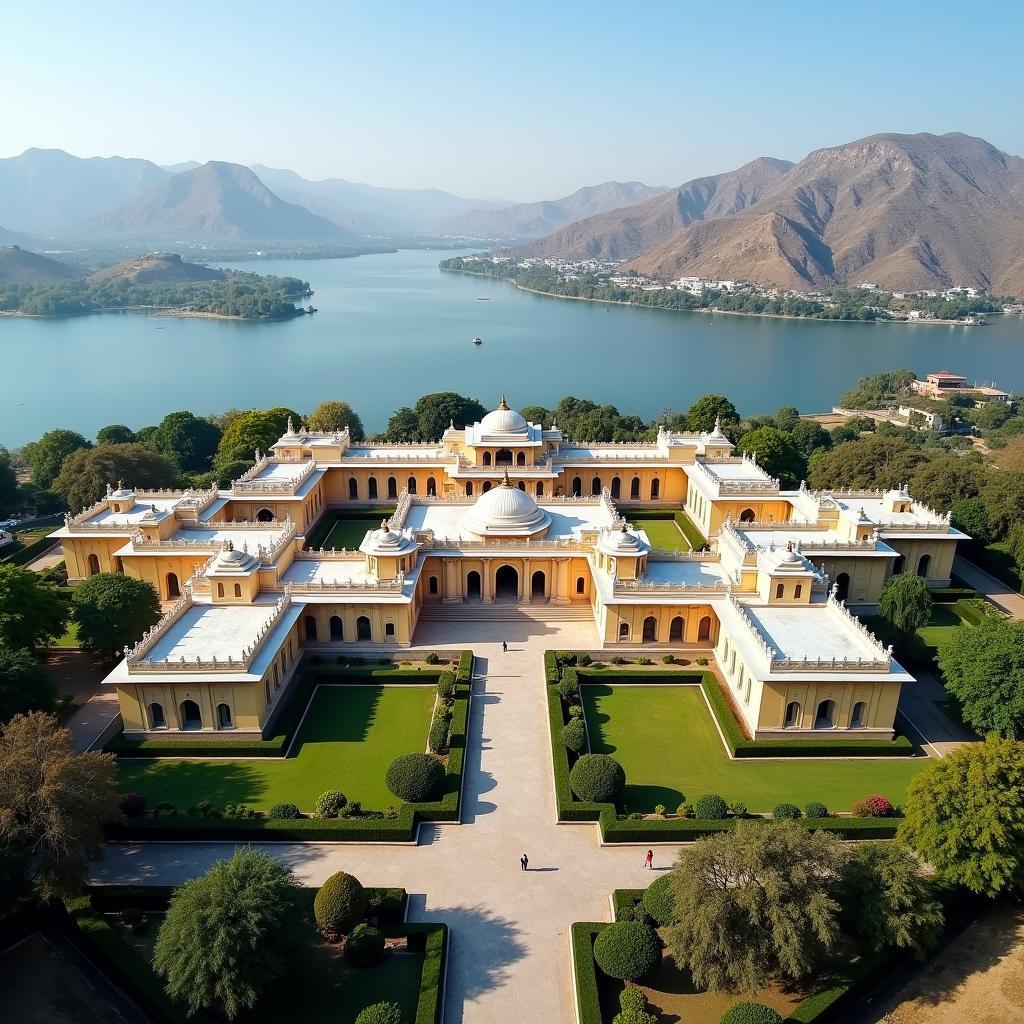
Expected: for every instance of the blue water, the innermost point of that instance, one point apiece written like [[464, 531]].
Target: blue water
[[392, 327]]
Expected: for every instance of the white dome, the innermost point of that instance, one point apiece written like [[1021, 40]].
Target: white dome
[[619, 541], [506, 510], [232, 559], [503, 420], [385, 541]]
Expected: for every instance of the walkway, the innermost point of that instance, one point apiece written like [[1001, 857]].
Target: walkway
[[998, 593], [509, 929]]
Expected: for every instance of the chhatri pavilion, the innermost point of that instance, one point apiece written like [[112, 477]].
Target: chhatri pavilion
[[504, 517]]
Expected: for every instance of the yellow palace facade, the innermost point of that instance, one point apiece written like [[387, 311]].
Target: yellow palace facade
[[501, 514]]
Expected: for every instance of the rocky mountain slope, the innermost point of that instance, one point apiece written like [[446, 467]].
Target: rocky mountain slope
[[21, 266], [157, 268]]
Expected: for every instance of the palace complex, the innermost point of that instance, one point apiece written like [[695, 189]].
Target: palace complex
[[504, 512]]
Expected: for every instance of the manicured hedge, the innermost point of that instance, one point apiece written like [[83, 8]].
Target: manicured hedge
[[432, 941], [588, 999], [24, 553]]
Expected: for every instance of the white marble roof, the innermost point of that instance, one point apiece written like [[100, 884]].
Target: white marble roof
[[742, 469], [567, 520], [812, 631], [690, 573], [142, 508]]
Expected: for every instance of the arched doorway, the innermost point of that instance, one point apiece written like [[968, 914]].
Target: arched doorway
[[473, 584], [704, 628], [411, 485], [792, 715], [860, 710], [521, 485], [537, 582], [118, 564], [190, 715], [616, 487], [503, 457], [924, 563], [581, 585], [94, 565], [486, 487], [655, 489], [539, 490], [595, 487], [310, 626], [224, 717], [650, 629], [577, 487], [675, 629], [173, 588], [520, 458], [506, 584], [432, 585], [897, 565], [747, 515], [623, 630], [487, 458], [156, 716], [337, 628], [634, 488], [265, 515], [825, 717], [843, 586], [431, 487], [362, 628], [469, 488], [392, 487], [353, 489], [372, 487]]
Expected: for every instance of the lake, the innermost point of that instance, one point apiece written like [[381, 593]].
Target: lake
[[391, 327]]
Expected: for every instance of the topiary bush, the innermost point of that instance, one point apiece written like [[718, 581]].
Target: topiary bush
[[750, 1013], [445, 685], [432, 658], [710, 806], [365, 944], [873, 807], [339, 904], [786, 812], [437, 739], [133, 805], [634, 1017], [815, 809], [738, 809], [283, 812], [668, 658], [627, 950], [659, 901], [575, 710], [329, 804], [568, 685], [574, 736], [381, 1013], [415, 777], [597, 778], [631, 1000]]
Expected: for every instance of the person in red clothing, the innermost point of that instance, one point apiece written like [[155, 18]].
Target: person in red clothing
[[649, 860]]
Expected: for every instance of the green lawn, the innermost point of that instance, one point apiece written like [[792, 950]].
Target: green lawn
[[337, 529], [665, 739], [70, 638], [662, 533], [350, 736], [924, 645]]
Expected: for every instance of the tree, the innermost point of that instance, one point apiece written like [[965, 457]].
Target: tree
[[878, 390], [755, 904], [54, 802], [434, 412], [905, 603], [964, 815], [115, 433], [247, 432], [776, 454], [25, 685], [113, 611], [888, 902], [1004, 499], [403, 425], [31, 612], [86, 473], [809, 435], [340, 904], [627, 950], [869, 462], [536, 414], [584, 420], [971, 516], [597, 778], [46, 456], [415, 777], [992, 415], [337, 416], [8, 483], [787, 418], [246, 917], [708, 408], [189, 440], [381, 1013], [983, 669], [946, 480]]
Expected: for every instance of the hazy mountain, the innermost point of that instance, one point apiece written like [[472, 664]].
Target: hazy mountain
[[45, 190], [157, 268], [376, 210], [621, 234], [16, 238], [20, 266], [185, 165], [217, 202], [533, 220]]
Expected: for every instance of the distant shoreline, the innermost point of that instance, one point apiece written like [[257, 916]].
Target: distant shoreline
[[156, 311]]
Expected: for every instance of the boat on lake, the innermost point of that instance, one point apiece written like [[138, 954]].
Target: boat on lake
[[478, 341]]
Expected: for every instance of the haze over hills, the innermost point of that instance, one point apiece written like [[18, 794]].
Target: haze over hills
[[216, 202], [157, 268], [901, 211], [20, 266], [533, 220]]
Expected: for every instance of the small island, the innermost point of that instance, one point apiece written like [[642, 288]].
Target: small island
[[32, 284]]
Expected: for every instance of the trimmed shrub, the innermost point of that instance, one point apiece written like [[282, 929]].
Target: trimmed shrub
[[685, 810], [438, 737], [568, 685], [339, 904], [786, 812], [365, 944], [632, 1000], [242, 811], [133, 805], [597, 778], [668, 658], [815, 809], [329, 804], [659, 810], [445, 685], [618, 659], [432, 658], [574, 736], [415, 777], [381, 1013], [575, 710], [873, 807], [643, 661], [738, 809], [750, 1013], [710, 807], [659, 901], [627, 950], [701, 661], [283, 812], [583, 658]]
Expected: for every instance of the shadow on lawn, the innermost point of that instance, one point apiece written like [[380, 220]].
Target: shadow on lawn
[[184, 783], [339, 714]]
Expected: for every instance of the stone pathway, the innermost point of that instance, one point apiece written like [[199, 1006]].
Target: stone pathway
[[509, 956], [998, 593]]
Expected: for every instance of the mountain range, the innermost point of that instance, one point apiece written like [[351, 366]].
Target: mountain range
[[900, 211]]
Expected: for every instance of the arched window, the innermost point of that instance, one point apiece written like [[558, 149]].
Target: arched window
[[392, 487], [843, 586], [799, 590], [337, 628], [487, 458], [362, 628], [792, 715], [577, 487], [94, 565], [353, 488], [224, 717], [655, 489], [650, 629], [156, 716], [595, 487], [190, 716], [469, 488], [432, 585], [220, 589], [860, 709], [704, 628], [747, 515], [238, 590], [486, 487], [118, 563], [473, 583], [825, 716], [431, 487], [310, 624], [411, 485], [616, 486], [389, 629], [520, 458], [898, 564], [265, 515], [540, 489], [503, 457], [634, 488], [780, 589], [581, 585], [675, 630], [372, 487], [924, 563], [521, 485], [173, 589], [623, 630]]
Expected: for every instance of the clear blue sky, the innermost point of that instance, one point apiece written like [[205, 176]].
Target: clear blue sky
[[520, 101]]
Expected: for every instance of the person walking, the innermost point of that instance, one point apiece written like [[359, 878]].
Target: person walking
[[504, 647], [524, 862], [649, 860]]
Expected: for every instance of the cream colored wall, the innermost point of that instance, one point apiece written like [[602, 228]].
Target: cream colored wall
[[941, 551], [155, 568], [881, 700], [671, 482], [380, 616], [867, 575], [78, 549], [634, 615]]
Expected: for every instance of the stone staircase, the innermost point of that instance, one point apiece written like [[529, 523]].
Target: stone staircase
[[472, 611]]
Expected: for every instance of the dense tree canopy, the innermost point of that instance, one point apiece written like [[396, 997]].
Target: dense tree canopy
[[31, 611], [807, 435], [115, 433], [25, 685], [430, 416], [905, 603], [1003, 495], [247, 432], [113, 611], [867, 463], [8, 483], [86, 473], [189, 440], [971, 516], [580, 419], [776, 454], [878, 390], [703, 413], [337, 416], [46, 456], [947, 479]]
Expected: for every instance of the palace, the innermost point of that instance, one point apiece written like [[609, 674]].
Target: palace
[[504, 512]]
